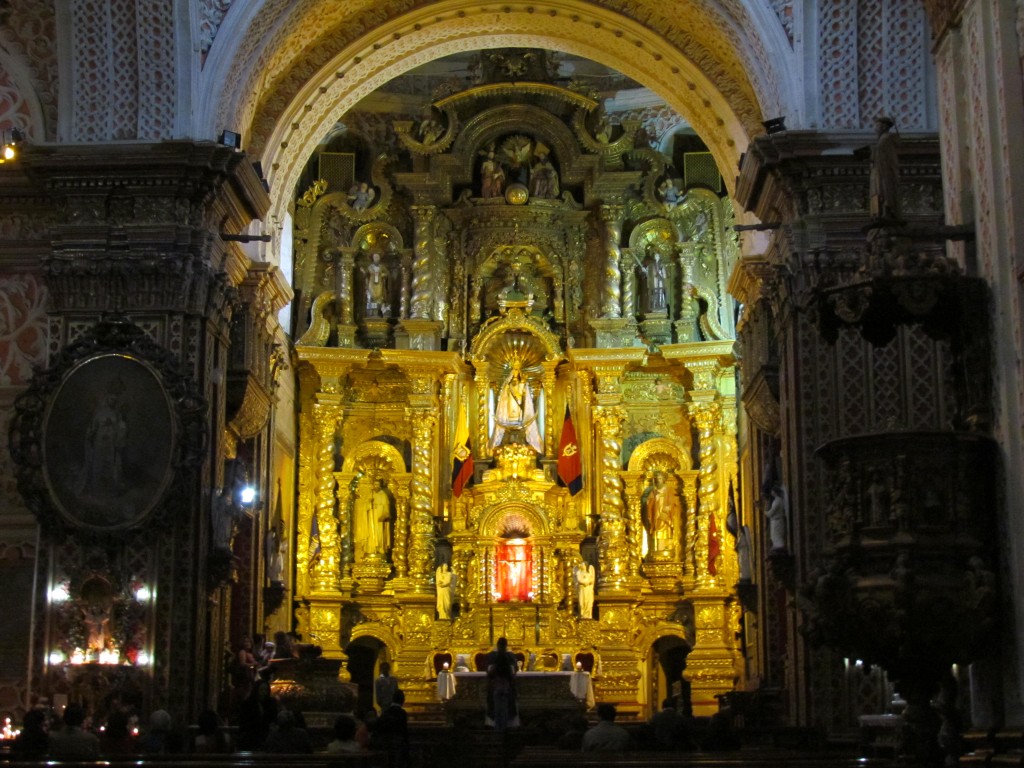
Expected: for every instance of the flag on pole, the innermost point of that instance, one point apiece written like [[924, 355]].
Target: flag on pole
[[462, 457], [314, 539], [570, 471], [714, 546]]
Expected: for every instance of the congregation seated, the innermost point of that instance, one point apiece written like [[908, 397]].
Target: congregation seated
[[345, 728], [73, 742], [117, 738], [669, 729], [288, 736], [34, 740], [161, 738], [606, 736], [211, 737]]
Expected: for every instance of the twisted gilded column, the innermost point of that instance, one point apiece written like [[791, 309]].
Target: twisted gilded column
[[346, 267], [611, 218], [400, 550], [482, 442], [326, 568], [708, 419], [634, 491], [422, 301], [421, 520], [612, 546], [628, 284], [550, 417], [406, 287]]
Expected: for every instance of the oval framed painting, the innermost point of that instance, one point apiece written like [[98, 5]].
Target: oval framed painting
[[108, 442]]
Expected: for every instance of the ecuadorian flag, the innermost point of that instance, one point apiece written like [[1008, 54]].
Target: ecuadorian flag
[[462, 458]]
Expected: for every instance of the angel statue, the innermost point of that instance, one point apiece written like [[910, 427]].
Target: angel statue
[[360, 196]]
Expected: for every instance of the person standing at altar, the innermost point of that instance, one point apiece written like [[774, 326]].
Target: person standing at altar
[[515, 415], [502, 710], [385, 686]]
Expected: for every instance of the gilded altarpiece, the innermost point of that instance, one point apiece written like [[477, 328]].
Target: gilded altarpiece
[[517, 271]]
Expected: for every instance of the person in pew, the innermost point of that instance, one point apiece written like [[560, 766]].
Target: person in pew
[[73, 741], [720, 736], [670, 730], [572, 737], [211, 738], [34, 740], [255, 716], [344, 736], [606, 736], [390, 732], [288, 737], [161, 738], [116, 738]]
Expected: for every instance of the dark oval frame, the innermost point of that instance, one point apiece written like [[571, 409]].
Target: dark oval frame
[[107, 441], [164, 426]]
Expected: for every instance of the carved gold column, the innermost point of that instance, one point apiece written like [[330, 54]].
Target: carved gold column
[[326, 568], [400, 552], [633, 483], [611, 218], [482, 438], [551, 417], [405, 289], [423, 218], [612, 546], [628, 284], [708, 419], [689, 563], [421, 521]]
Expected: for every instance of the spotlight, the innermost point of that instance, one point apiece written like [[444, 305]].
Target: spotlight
[[775, 125], [230, 139], [247, 495]]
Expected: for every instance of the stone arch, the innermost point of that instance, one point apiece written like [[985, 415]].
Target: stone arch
[[725, 115]]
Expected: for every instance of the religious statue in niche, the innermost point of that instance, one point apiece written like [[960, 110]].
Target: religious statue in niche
[[377, 280], [885, 172], [492, 176], [514, 572], [543, 176], [669, 193], [224, 515], [515, 415], [777, 513], [443, 582], [586, 576], [371, 519], [655, 273], [663, 514]]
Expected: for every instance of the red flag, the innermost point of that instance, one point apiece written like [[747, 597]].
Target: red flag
[[570, 471], [714, 546]]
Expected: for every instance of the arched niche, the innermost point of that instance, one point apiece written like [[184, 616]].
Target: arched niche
[[661, 453], [377, 456]]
